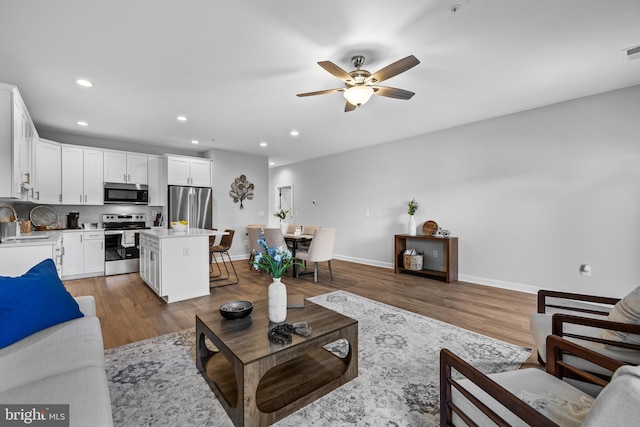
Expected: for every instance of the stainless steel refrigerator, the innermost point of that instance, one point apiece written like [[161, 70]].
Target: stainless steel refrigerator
[[193, 204]]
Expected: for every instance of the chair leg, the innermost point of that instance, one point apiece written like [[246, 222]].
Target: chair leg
[[315, 272], [213, 260], [330, 272], [228, 276]]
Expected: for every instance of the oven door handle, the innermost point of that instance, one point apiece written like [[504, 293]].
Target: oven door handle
[[113, 232]]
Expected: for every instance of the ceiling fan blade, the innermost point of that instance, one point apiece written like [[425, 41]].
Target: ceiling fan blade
[[394, 69], [321, 92], [336, 71], [349, 107], [392, 92]]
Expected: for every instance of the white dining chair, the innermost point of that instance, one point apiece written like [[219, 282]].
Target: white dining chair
[[320, 250], [274, 237]]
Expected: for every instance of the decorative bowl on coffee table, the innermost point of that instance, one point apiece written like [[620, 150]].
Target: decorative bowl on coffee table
[[236, 309]]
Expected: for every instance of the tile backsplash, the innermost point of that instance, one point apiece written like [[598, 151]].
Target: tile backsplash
[[92, 213]]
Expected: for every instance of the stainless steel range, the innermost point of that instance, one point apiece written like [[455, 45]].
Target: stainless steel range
[[122, 242]]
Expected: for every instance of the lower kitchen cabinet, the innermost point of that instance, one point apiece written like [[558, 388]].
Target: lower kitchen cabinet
[[82, 253]]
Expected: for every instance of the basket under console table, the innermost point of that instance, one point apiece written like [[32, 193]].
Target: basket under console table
[[440, 256]]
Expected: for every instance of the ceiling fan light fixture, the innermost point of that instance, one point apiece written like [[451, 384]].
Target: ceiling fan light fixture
[[358, 95]]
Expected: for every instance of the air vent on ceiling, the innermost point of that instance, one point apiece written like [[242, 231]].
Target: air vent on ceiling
[[631, 53]]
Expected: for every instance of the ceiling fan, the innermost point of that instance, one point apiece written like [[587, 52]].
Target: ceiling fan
[[361, 84]]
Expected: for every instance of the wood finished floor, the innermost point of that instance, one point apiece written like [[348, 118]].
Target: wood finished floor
[[129, 311]]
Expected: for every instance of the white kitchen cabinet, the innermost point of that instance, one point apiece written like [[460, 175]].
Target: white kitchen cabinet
[[150, 263], [16, 258], [82, 253], [125, 168], [191, 171], [157, 185], [82, 176], [93, 252], [72, 254], [17, 141], [47, 186]]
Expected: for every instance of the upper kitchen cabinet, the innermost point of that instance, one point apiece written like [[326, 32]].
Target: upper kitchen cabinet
[[17, 144], [157, 184], [47, 186], [191, 171], [82, 176], [125, 168]]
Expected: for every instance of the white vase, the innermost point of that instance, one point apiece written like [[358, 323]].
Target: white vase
[[284, 227], [277, 301], [412, 226]]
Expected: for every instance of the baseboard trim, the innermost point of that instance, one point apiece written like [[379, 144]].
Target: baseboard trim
[[499, 284], [364, 261], [463, 278]]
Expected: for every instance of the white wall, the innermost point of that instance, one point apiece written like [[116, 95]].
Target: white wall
[[227, 166], [531, 195]]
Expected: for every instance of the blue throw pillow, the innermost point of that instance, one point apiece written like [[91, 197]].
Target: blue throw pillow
[[32, 302]]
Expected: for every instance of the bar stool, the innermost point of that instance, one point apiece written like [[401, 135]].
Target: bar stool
[[222, 248]]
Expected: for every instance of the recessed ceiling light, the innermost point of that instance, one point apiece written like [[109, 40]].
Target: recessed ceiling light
[[85, 83], [195, 142], [294, 133], [181, 118], [83, 124], [263, 144]]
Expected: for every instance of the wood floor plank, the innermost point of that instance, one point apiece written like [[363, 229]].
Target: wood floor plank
[[129, 311]]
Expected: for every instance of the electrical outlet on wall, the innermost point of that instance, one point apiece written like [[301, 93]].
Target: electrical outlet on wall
[[435, 253]]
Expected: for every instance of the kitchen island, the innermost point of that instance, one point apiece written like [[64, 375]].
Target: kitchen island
[[175, 264], [19, 254]]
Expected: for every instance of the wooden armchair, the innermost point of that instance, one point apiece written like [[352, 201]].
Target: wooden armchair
[[585, 319], [537, 398]]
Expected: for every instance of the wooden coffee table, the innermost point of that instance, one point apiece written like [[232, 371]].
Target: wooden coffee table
[[259, 382]]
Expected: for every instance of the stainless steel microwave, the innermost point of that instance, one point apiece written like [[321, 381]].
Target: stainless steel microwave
[[126, 194]]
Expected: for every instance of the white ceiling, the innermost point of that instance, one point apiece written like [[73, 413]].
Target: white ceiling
[[234, 67]]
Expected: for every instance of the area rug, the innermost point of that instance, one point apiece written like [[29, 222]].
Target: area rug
[[155, 382]]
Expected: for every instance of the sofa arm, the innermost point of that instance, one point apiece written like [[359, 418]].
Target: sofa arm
[[559, 322], [87, 304]]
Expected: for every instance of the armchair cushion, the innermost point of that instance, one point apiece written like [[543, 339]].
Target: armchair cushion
[[33, 302], [627, 310], [552, 397]]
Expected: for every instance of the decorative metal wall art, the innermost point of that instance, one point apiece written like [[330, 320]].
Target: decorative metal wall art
[[241, 189]]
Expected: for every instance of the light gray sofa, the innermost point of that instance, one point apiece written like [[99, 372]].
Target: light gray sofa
[[63, 364]]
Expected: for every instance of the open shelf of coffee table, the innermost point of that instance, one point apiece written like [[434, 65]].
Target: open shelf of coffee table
[[283, 384]]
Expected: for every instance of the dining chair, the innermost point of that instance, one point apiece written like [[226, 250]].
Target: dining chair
[[260, 226], [292, 228], [309, 229], [254, 234], [274, 237], [320, 250], [222, 249]]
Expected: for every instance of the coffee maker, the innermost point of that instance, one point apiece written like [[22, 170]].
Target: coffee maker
[[72, 219]]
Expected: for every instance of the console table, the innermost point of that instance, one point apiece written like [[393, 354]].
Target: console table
[[446, 247]]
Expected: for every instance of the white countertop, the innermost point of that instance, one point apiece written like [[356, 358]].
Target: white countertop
[[35, 238], [163, 233]]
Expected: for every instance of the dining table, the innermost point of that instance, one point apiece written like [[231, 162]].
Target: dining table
[[293, 240]]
